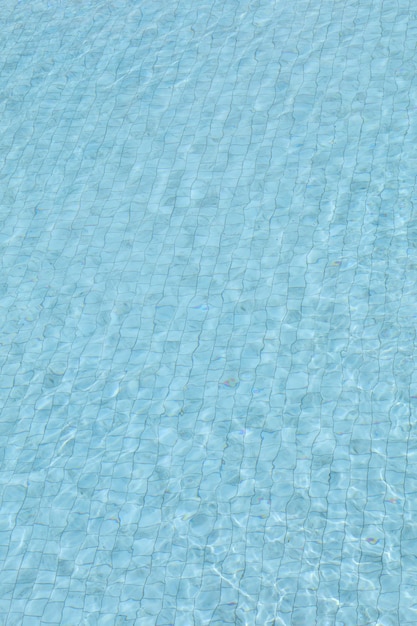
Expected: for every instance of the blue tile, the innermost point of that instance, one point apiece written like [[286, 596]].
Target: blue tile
[[208, 297]]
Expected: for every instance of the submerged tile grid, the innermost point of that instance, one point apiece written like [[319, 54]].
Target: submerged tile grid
[[208, 313]]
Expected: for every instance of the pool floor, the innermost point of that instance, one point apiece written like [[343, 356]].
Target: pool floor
[[208, 313]]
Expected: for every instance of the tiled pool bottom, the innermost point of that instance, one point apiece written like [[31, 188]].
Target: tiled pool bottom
[[208, 313]]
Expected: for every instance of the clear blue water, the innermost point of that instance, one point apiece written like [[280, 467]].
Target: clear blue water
[[208, 305]]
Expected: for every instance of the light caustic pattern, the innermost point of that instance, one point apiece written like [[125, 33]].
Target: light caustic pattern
[[208, 313]]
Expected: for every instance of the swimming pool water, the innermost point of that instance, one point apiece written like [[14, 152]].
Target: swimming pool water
[[208, 313]]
